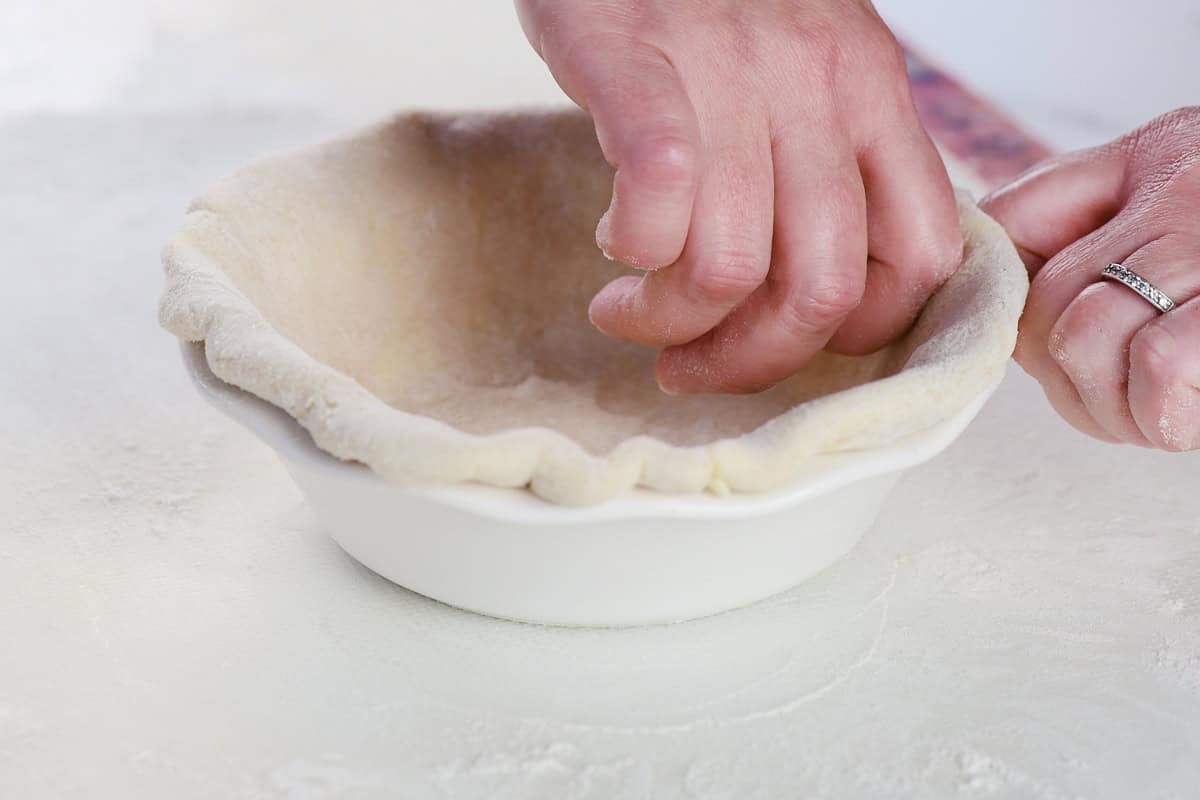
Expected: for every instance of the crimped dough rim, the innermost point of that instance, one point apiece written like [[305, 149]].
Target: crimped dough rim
[[966, 333]]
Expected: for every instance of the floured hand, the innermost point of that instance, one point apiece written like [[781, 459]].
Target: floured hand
[[773, 180]]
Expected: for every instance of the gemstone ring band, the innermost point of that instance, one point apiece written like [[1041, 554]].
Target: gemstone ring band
[[1149, 292]]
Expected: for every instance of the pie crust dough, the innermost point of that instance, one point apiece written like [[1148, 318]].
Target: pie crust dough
[[416, 297]]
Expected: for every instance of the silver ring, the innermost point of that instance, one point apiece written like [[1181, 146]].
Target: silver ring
[[1151, 293]]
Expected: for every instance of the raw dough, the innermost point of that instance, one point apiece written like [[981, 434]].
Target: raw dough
[[416, 297]]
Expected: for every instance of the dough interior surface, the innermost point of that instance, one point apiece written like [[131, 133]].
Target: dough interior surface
[[416, 296], [448, 270]]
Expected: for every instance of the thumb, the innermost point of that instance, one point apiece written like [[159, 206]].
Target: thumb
[[1059, 202]]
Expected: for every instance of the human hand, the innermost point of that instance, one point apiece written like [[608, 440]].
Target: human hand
[[1108, 360], [772, 179]]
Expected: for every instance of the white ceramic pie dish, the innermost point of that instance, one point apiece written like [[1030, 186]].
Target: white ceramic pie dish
[[642, 558]]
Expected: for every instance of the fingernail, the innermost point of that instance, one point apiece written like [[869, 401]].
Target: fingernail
[[592, 318], [604, 234], [603, 305], [612, 303], [666, 373]]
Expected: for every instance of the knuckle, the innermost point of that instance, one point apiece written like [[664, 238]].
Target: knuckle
[[665, 161], [834, 297], [728, 277], [820, 305]]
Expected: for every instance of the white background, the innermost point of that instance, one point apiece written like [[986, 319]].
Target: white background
[[1022, 622], [1075, 68]]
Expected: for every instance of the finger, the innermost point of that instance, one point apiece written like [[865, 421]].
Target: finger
[[1053, 288], [726, 258], [816, 279], [648, 131], [1064, 398], [1061, 201], [1164, 378], [913, 235], [1065, 217], [1091, 340], [1075, 268], [1090, 346], [1033, 356]]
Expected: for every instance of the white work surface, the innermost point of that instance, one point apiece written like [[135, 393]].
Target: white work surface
[[1023, 621]]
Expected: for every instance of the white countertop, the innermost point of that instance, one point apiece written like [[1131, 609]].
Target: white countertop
[[1023, 621]]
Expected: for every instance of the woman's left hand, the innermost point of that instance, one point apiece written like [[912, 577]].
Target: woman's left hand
[[1109, 361]]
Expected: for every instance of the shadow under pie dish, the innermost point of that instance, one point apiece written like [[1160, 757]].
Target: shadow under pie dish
[[415, 297]]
